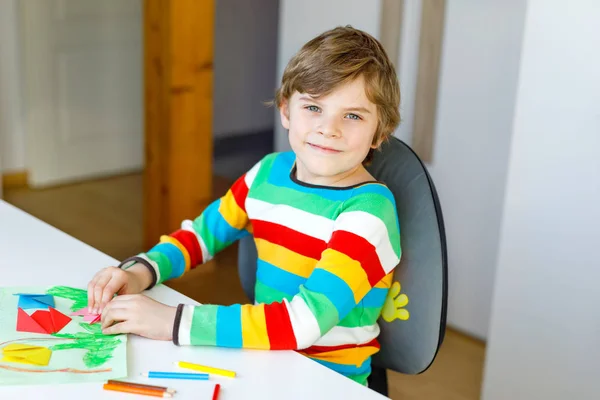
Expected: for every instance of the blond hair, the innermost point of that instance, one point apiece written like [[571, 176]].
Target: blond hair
[[341, 55]]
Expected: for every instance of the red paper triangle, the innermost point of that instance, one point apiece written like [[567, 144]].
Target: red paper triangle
[[26, 324], [97, 319], [43, 319], [59, 320]]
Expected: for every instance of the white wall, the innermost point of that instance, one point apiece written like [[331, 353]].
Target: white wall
[[244, 65], [245, 68], [545, 328], [300, 21], [12, 138], [479, 67], [408, 67]]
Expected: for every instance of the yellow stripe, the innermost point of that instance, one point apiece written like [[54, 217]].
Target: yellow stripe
[[176, 243], [285, 259], [231, 212], [353, 356], [254, 327], [347, 269], [386, 282]]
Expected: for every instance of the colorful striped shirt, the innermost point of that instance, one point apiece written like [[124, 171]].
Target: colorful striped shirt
[[325, 261]]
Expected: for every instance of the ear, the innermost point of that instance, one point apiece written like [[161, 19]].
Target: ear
[[284, 113], [377, 142]]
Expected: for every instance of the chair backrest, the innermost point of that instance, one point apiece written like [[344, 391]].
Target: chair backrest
[[407, 345]]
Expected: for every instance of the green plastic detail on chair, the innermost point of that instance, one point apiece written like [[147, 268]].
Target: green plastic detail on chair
[[393, 308]]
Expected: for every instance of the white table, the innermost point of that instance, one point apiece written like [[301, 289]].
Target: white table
[[34, 253]]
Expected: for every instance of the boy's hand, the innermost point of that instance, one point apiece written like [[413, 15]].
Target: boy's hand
[[139, 315], [112, 280]]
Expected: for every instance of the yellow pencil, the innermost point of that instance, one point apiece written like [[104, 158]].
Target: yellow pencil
[[205, 369]]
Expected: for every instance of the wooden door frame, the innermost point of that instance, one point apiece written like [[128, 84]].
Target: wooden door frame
[[428, 64], [178, 100]]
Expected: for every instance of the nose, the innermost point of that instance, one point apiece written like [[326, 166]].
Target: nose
[[330, 128]]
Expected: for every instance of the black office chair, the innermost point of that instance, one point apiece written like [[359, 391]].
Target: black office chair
[[408, 345]]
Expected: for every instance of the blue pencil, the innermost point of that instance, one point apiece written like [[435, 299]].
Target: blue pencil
[[175, 375]]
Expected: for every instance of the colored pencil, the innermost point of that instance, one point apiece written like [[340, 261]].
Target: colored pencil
[[216, 392], [175, 375], [208, 370], [137, 390], [141, 385]]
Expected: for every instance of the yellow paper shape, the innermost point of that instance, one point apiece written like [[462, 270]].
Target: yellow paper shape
[[26, 354]]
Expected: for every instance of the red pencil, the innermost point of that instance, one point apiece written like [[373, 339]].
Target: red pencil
[[216, 392]]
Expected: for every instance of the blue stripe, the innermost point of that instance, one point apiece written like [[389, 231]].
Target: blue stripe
[[346, 369], [175, 257], [376, 189], [229, 326], [278, 279], [375, 297], [219, 227], [334, 288]]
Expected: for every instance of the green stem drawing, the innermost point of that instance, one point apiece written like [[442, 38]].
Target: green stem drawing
[[100, 347]]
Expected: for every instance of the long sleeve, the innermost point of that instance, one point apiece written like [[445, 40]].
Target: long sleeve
[[223, 222], [363, 248]]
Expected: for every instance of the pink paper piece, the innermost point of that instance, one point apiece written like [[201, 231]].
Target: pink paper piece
[[87, 317]]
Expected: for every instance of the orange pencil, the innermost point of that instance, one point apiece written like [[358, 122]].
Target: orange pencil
[[137, 390], [141, 385]]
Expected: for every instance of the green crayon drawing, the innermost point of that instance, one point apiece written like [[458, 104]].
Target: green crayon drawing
[[100, 347], [80, 351], [77, 296]]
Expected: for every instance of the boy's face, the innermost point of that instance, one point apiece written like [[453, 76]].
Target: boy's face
[[330, 135]]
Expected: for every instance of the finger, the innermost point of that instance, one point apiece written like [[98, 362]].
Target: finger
[[124, 299], [98, 289], [90, 294], [122, 327], [395, 289], [112, 287], [114, 315]]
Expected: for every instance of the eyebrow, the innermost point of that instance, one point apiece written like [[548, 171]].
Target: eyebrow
[[357, 109]]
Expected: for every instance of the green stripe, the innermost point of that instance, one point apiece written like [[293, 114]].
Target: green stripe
[[204, 326], [308, 202], [213, 244], [164, 265], [380, 207], [322, 308], [267, 295], [360, 316], [264, 170], [362, 378]]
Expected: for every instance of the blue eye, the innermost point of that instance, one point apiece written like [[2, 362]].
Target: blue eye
[[354, 116], [313, 108]]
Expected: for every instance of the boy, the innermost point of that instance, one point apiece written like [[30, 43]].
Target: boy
[[326, 231]]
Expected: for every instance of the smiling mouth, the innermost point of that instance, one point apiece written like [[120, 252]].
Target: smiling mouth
[[323, 149]]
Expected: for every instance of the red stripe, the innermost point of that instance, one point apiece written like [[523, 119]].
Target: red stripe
[[279, 327], [324, 349], [240, 192], [359, 249], [293, 240], [190, 242]]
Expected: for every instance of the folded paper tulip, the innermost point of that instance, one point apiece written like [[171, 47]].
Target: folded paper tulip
[[51, 321], [26, 354]]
